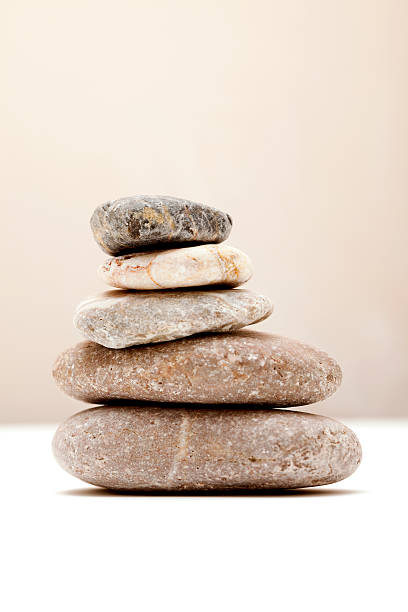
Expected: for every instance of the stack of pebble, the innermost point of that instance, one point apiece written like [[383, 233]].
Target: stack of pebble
[[182, 410]]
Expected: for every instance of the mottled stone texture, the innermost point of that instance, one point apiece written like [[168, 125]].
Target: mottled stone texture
[[235, 367], [131, 224], [117, 319], [154, 448], [185, 267]]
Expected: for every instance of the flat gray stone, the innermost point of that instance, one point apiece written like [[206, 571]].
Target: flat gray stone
[[167, 448], [117, 319], [242, 367], [134, 223]]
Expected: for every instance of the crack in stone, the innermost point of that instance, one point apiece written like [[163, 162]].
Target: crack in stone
[[181, 449]]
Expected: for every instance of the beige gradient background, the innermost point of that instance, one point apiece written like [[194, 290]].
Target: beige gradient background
[[291, 116]]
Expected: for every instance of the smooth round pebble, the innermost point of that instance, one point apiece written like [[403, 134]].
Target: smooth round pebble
[[187, 267], [242, 367], [117, 319], [154, 448], [134, 223]]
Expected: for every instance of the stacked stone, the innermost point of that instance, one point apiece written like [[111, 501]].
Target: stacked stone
[[189, 401]]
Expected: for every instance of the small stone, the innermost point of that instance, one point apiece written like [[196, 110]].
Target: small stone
[[162, 448], [242, 367], [185, 267], [117, 319], [131, 224]]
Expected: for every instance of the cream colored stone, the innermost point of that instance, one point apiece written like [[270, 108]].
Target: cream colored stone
[[167, 448], [195, 266], [117, 319]]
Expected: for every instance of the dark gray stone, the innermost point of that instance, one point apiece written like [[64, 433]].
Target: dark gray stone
[[134, 223]]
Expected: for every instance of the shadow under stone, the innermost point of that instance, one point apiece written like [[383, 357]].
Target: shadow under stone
[[312, 492]]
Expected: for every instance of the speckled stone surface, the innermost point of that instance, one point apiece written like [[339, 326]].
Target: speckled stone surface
[[131, 224], [185, 267], [235, 367], [117, 319], [151, 448]]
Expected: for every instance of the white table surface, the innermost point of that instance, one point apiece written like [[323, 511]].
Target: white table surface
[[69, 546]]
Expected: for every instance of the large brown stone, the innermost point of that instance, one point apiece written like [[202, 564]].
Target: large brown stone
[[139, 448], [236, 367], [134, 223], [117, 319]]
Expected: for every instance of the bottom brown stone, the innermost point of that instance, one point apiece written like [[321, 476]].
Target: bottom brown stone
[[169, 448]]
